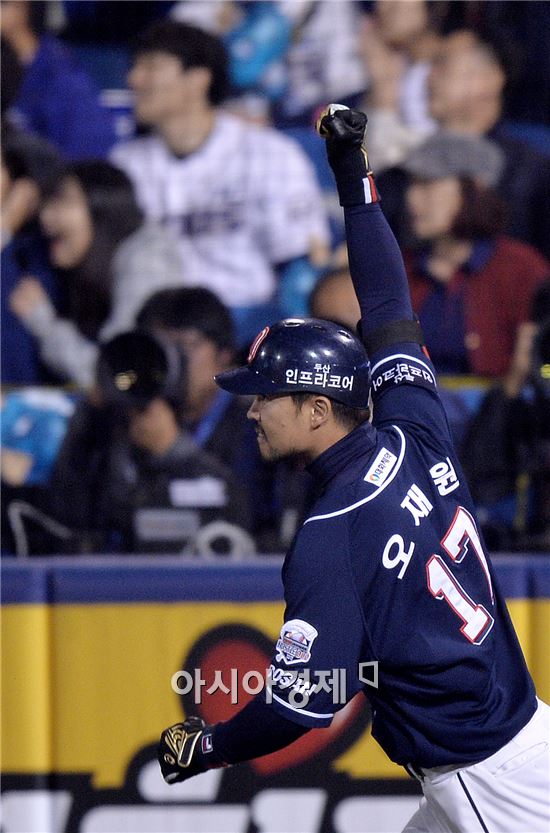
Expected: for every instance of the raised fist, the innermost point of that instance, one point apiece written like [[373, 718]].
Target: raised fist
[[340, 124]]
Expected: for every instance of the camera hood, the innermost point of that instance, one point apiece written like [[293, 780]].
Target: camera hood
[[136, 367]]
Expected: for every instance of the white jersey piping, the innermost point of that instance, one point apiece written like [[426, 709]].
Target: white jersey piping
[[374, 494], [299, 711]]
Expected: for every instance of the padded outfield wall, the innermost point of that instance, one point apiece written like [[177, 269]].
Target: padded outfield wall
[[89, 648]]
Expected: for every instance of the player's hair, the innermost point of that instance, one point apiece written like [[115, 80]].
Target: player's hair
[[345, 415], [115, 215], [186, 308], [193, 46], [483, 212]]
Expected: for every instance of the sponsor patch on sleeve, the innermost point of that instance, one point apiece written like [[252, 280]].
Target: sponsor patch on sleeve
[[295, 641], [401, 369], [381, 468]]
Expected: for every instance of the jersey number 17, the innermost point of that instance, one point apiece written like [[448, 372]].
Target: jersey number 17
[[461, 536]]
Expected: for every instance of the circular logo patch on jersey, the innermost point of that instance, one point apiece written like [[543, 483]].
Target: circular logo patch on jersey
[[244, 648], [295, 641]]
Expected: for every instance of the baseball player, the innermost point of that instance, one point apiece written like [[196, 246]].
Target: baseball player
[[389, 568]]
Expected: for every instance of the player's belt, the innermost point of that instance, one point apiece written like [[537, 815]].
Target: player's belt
[[420, 773], [414, 771]]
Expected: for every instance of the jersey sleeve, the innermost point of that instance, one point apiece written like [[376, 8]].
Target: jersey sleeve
[[141, 160], [315, 667], [404, 386], [292, 220]]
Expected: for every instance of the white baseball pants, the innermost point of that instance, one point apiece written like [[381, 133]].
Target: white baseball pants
[[509, 792]]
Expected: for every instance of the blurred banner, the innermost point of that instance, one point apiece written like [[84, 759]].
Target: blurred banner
[[90, 650]]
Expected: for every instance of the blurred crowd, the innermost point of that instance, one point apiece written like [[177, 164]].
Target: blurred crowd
[[164, 196]]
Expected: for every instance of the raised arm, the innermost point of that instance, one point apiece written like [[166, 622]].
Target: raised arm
[[403, 378], [376, 265]]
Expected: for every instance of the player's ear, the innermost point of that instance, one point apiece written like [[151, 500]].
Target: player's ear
[[320, 410]]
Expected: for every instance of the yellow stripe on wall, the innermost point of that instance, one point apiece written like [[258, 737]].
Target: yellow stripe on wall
[[27, 687], [84, 687], [531, 620], [106, 683]]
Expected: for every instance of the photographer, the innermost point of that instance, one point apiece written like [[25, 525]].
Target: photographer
[[506, 453], [198, 324], [129, 478]]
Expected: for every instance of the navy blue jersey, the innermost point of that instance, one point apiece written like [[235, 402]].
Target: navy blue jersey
[[388, 589]]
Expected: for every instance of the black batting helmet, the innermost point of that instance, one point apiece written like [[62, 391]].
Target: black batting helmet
[[304, 355]]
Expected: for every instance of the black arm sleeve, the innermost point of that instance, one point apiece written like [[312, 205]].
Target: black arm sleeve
[[254, 731]]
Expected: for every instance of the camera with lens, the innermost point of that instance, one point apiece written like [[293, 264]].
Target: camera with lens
[[186, 502], [136, 367]]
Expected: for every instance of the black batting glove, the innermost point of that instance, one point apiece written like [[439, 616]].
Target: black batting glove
[[344, 132], [186, 749]]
